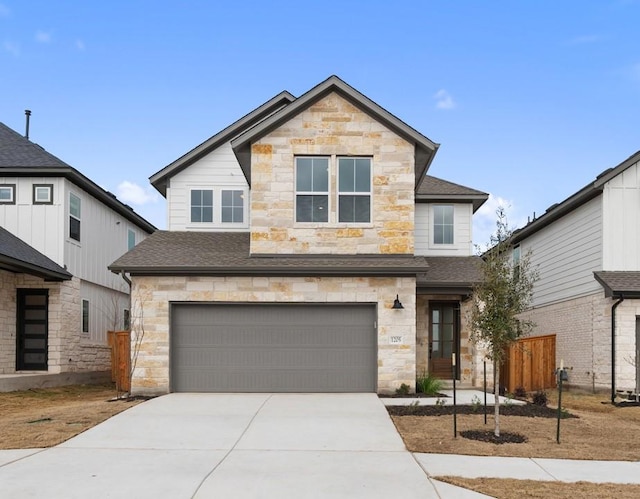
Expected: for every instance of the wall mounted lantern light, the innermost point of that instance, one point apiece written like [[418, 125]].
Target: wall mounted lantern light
[[396, 304]]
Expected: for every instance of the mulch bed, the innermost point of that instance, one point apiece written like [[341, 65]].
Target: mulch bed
[[489, 436], [528, 410]]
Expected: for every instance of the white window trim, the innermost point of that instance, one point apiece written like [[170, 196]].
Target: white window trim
[[432, 228], [216, 222], [12, 189], [78, 218], [312, 193], [369, 193]]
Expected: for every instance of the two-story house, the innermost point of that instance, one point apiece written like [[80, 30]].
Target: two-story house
[[586, 249], [306, 250], [59, 233]]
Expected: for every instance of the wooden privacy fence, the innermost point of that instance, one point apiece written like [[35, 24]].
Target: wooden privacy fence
[[120, 343], [530, 363]]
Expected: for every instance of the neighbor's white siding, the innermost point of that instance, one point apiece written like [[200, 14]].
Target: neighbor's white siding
[[219, 168], [462, 234], [103, 239], [621, 221], [566, 253], [38, 225], [106, 311]]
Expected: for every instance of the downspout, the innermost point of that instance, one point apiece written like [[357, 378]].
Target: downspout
[[126, 279], [613, 348]]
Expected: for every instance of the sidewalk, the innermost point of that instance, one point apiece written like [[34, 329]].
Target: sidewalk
[[522, 468]]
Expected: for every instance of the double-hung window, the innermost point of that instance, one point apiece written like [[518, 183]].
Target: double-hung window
[[232, 206], [354, 190], [202, 205], [74, 217], [8, 194], [443, 224], [312, 189]]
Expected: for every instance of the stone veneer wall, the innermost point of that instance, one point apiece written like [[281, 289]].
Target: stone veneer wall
[[150, 317], [332, 127], [468, 376], [67, 351], [583, 338]]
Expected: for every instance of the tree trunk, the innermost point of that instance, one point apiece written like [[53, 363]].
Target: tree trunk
[[496, 391]]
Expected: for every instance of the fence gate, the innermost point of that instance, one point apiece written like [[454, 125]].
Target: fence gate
[[530, 364]]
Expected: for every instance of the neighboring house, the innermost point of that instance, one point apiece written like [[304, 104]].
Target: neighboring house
[[306, 250], [59, 232], [587, 251]]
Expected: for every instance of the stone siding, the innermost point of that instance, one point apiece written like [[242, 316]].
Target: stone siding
[[583, 338], [151, 298], [68, 352], [332, 127]]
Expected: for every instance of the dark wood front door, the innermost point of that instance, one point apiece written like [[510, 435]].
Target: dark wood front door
[[32, 330], [444, 320]]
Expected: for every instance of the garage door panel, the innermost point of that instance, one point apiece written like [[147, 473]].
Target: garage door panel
[[275, 348]]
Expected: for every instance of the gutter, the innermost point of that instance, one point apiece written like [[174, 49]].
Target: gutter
[[613, 348]]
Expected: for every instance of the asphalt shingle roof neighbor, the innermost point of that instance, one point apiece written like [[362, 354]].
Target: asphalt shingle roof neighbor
[[18, 256], [619, 283], [435, 189], [17, 151]]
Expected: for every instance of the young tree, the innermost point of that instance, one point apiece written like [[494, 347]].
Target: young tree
[[505, 292]]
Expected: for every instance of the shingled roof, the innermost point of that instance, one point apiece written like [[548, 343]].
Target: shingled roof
[[18, 256], [435, 189], [227, 253], [19, 157], [619, 284]]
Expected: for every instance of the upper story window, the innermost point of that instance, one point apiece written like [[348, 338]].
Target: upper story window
[[74, 216], [232, 206], [443, 224], [202, 205], [354, 190], [7, 193], [42, 193], [312, 189], [131, 239], [516, 261]]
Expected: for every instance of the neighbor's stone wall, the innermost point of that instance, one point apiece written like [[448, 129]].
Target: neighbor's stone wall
[[332, 127], [467, 359], [583, 338], [151, 297], [67, 351]]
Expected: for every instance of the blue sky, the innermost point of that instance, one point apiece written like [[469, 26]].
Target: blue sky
[[529, 99]]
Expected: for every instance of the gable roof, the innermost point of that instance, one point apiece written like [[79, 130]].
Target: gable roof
[[619, 284], [227, 253], [160, 179], [425, 149], [587, 193], [433, 189], [19, 157], [17, 256]]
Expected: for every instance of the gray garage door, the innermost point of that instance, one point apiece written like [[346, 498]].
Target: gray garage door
[[273, 348]]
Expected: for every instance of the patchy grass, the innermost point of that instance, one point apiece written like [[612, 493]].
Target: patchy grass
[[49, 416]]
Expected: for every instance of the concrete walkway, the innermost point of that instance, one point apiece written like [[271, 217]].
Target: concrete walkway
[[236, 445]]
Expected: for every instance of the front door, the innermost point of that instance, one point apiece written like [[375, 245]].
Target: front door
[[444, 319], [32, 329]]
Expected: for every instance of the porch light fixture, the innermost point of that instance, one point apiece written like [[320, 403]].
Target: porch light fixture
[[396, 304]]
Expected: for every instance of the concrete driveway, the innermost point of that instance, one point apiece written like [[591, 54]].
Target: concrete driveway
[[231, 445]]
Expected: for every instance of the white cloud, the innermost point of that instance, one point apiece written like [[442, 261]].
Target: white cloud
[[130, 192], [484, 220], [43, 37], [12, 48], [444, 100], [80, 44], [4, 10]]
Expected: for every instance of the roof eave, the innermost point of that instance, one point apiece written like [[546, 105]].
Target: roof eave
[[21, 267], [476, 199]]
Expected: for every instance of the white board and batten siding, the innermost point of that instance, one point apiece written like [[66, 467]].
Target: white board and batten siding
[[566, 253], [462, 231], [218, 170], [106, 311], [103, 239], [621, 221], [38, 225]]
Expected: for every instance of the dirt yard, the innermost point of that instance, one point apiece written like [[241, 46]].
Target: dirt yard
[[46, 417], [600, 432]]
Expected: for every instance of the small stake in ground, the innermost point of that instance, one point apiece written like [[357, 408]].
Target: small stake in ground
[[561, 374], [455, 411], [484, 365]]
